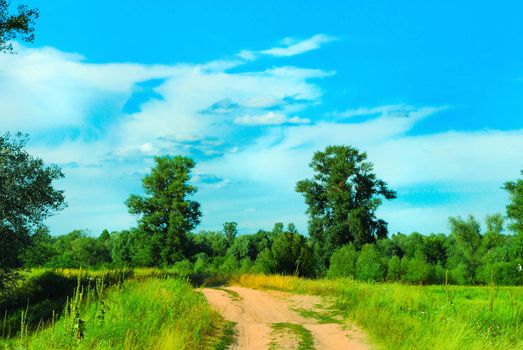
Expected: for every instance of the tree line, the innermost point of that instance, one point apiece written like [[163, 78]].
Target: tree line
[[345, 238]]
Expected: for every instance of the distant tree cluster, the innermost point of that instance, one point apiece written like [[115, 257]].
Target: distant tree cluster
[[467, 256]]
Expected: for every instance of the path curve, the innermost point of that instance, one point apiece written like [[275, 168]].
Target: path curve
[[254, 311]]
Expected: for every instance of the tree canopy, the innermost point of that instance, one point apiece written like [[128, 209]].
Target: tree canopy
[[342, 199], [166, 213], [515, 207], [27, 197], [13, 25]]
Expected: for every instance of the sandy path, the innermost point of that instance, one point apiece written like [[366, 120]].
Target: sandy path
[[254, 311]]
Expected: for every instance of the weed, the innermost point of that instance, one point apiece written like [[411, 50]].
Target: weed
[[234, 295], [305, 340]]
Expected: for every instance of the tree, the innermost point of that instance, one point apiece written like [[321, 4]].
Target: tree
[[14, 25], [289, 255], [467, 234], [27, 197], [515, 207], [166, 213], [418, 270], [434, 249], [394, 271], [369, 266], [40, 251], [342, 199], [230, 229], [343, 262]]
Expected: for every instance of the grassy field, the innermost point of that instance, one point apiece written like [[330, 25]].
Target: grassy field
[[418, 317], [146, 312], [154, 309]]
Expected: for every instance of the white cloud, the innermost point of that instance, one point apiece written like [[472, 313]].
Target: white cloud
[[202, 110], [48, 93], [398, 110], [474, 163], [292, 47], [44, 89], [270, 118], [403, 160], [289, 47]]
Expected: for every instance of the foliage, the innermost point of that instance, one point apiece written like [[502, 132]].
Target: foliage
[[230, 230], [342, 199], [291, 255], [369, 266], [467, 235], [515, 207], [14, 25], [417, 269], [166, 215], [27, 197], [343, 262]]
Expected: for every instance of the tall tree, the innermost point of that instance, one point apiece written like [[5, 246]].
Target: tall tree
[[467, 234], [230, 229], [27, 197], [515, 207], [166, 213], [20, 24], [342, 199]]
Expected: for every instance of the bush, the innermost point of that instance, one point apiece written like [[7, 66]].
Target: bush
[[418, 270], [394, 270], [368, 265], [343, 262]]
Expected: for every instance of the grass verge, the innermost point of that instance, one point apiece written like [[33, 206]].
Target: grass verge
[[147, 314]]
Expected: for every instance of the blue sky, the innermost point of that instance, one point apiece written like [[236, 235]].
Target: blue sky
[[432, 91]]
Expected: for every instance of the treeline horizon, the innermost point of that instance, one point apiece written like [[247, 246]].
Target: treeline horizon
[[466, 256], [345, 236]]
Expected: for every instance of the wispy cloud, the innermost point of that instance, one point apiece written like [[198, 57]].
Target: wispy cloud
[[290, 47], [386, 111], [270, 118]]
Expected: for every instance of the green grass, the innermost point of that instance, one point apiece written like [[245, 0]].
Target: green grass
[[321, 315], [137, 314], [233, 295], [305, 341], [228, 338], [422, 317]]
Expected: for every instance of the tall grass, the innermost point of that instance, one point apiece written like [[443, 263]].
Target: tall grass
[[418, 317], [147, 314]]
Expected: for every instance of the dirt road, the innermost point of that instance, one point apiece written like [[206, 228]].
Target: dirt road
[[274, 319]]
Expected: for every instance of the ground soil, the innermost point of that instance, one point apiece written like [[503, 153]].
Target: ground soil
[[254, 311]]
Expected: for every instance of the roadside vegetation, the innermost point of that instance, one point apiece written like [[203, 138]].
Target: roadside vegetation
[[111, 310]]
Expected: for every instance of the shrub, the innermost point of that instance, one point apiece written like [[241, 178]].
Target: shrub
[[368, 265], [343, 262]]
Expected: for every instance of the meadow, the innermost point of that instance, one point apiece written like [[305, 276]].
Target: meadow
[[161, 309]]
